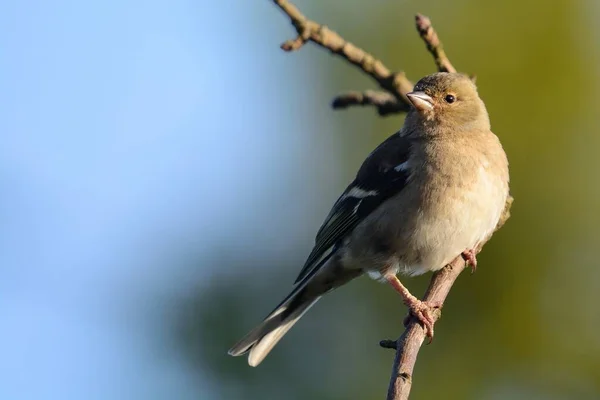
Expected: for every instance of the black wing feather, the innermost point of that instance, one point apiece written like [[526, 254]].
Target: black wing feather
[[377, 180]]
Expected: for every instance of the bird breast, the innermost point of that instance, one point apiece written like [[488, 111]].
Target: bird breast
[[461, 205]]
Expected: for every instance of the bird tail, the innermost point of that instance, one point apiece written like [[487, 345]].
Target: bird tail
[[261, 340]]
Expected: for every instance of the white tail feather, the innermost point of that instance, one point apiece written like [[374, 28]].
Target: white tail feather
[[265, 344]]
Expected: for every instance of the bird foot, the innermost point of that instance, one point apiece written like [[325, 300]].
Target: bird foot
[[422, 311], [471, 259]]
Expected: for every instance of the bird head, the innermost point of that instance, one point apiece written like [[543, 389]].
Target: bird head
[[447, 100]]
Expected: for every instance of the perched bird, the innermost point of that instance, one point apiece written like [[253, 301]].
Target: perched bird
[[429, 193]]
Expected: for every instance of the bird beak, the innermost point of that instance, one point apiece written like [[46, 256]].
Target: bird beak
[[421, 101]]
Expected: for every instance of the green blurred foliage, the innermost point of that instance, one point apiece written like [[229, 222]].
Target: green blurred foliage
[[526, 325]]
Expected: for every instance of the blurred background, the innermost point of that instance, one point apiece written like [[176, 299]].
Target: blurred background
[[164, 168]]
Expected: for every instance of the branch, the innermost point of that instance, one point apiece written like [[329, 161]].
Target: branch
[[394, 83], [384, 102], [391, 100], [430, 37]]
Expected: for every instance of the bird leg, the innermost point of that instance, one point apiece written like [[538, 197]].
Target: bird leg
[[420, 309], [471, 259]]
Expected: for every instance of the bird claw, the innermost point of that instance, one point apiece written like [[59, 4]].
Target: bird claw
[[470, 258], [422, 311]]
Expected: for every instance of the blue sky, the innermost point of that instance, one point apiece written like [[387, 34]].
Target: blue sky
[[117, 133]]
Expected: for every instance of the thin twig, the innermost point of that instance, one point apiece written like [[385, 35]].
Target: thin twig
[[434, 45], [395, 83], [384, 102], [391, 100]]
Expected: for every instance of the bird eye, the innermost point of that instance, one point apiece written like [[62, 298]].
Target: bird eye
[[450, 99]]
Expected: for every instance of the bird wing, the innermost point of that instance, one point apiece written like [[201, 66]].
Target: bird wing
[[383, 174]]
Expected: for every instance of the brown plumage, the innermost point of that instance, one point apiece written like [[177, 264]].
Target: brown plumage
[[429, 193]]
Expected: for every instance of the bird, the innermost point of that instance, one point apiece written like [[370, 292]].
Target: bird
[[431, 192]]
